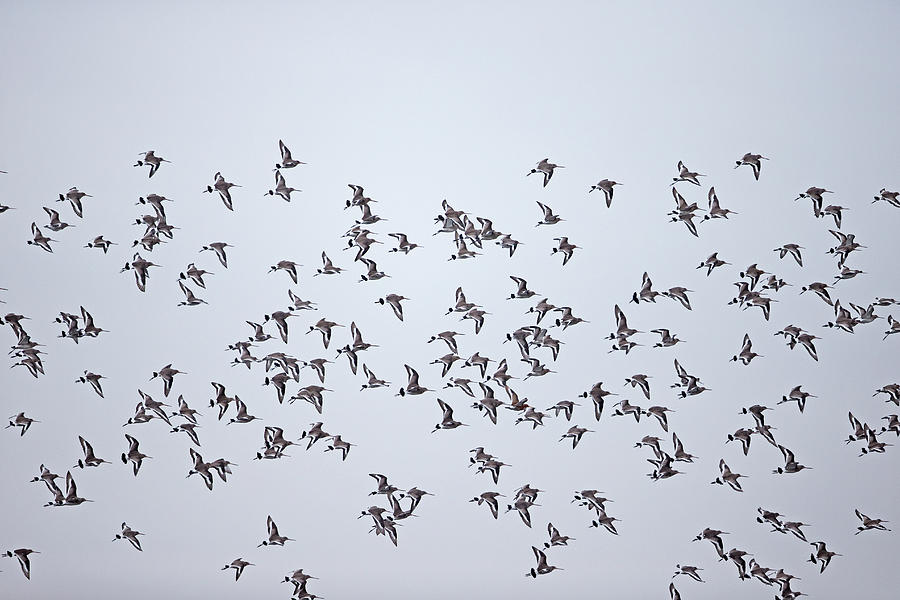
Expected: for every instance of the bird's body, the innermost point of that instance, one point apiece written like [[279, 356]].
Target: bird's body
[[152, 160], [545, 168], [223, 188]]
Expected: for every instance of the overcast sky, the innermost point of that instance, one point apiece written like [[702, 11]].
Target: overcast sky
[[418, 102]]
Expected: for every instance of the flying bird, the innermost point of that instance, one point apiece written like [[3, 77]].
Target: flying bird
[[545, 168]]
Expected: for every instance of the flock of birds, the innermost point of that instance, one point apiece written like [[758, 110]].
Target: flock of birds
[[490, 389]]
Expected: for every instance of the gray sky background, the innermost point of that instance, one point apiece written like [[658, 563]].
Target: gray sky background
[[419, 102]]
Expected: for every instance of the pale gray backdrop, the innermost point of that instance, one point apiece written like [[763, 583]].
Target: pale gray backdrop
[[421, 101]]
